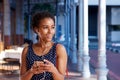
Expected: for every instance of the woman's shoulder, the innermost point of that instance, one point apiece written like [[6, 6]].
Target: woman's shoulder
[[61, 50], [25, 50], [60, 47]]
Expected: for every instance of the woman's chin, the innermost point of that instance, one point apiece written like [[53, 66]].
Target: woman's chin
[[48, 40]]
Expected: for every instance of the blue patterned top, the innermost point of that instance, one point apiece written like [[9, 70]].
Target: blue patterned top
[[31, 57]]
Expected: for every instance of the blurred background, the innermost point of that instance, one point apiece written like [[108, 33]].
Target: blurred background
[[71, 20]]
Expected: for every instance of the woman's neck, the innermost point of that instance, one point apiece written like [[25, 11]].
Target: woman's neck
[[44, 44]]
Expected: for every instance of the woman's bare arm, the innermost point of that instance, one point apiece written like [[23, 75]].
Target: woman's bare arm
[[24, 74], [61, 62]]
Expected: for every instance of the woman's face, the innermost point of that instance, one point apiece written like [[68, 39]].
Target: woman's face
[[46, 29]]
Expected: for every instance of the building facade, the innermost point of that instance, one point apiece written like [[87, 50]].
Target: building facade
[[11, 22]]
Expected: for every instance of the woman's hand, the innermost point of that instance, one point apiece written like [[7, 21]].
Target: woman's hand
[[49, 67], [43, 66], [38, 67]]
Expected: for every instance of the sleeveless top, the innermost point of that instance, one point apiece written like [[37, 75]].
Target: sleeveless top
[[31, 57]]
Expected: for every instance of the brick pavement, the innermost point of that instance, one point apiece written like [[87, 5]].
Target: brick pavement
[[73, 74], [112, 60]]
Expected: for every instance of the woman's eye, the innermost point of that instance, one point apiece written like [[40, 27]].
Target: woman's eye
[[53, 27], [45, 27]]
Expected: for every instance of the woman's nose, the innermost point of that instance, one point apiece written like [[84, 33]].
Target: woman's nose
[[50, 30]]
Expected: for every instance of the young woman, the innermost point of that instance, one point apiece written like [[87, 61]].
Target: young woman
[[44, 60]]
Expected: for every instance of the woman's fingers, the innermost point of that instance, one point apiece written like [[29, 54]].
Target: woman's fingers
[[49, 66], [38, 67], [43, 66]]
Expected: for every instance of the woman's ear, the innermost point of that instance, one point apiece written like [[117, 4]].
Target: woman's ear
[[36, 30]]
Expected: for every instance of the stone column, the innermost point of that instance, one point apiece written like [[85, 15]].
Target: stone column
[[67, 36], [7, 23], [65, 27], [19, 22], [102, 70], [73, 34], [86, 58], [80, 37]]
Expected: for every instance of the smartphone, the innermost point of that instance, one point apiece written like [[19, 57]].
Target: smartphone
[[44, 61]]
